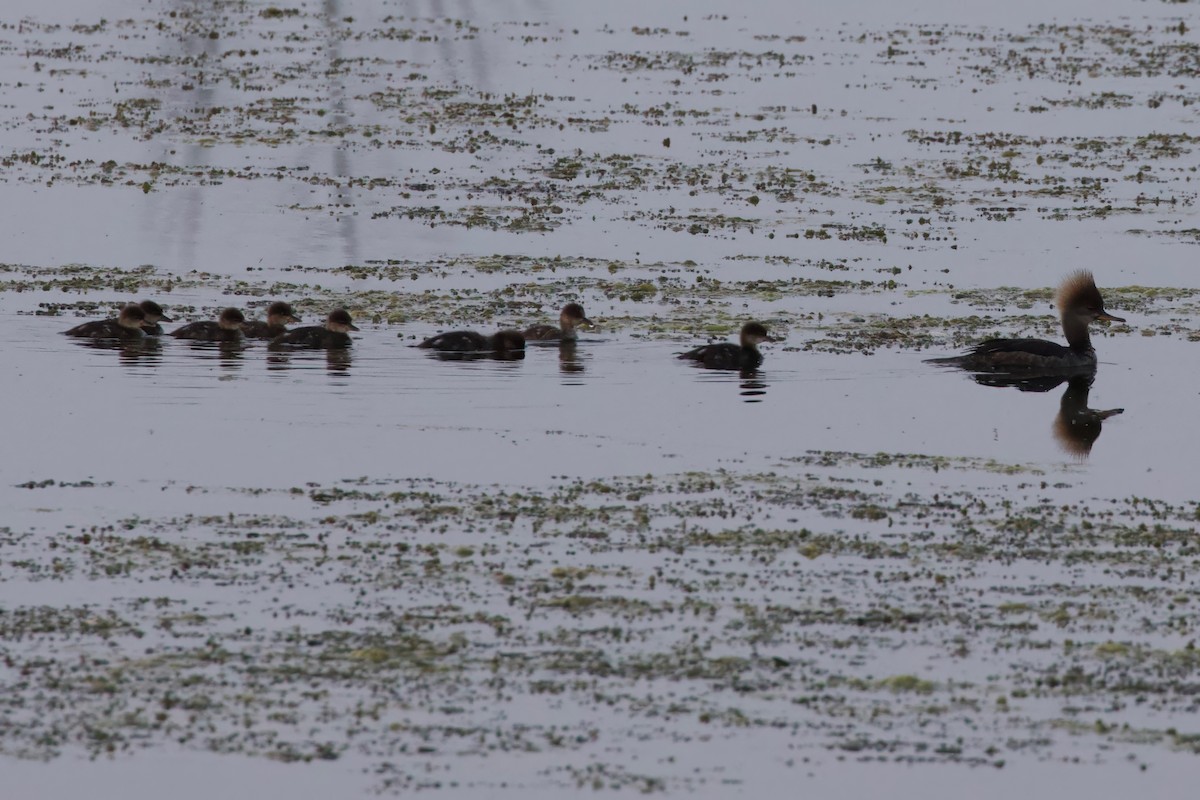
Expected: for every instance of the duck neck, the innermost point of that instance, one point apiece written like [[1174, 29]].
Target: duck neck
[[1076, 331]]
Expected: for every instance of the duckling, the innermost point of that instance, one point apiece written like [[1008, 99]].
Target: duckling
[[279, 315], [570, 318], [733, 356], [226, 328], [154, 315], [334, 333], [127, 325], [471, 342]]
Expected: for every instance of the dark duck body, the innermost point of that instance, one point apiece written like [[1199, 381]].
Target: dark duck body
[[1079, 304], [279, 316], [726, 355], [570, 318], [334, 334], [472, 342], [154, 315], [127, 325], [226, 328]]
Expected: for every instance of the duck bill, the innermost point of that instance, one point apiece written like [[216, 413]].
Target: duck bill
[[353, 327], [164, 319], [1107, 317]]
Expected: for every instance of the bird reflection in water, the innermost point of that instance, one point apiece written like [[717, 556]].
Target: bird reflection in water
[[569, 360], [754, 388], [477, 355], [143, 351], [1076, 427], [230, 354], [337, 359]]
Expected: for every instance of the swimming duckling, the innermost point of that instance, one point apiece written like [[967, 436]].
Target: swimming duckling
[[154, 315], [127, 325], [279, 315], [733, 356], [1079, 304], [472, 342], [226, 328], [570, 318], [333, 334]]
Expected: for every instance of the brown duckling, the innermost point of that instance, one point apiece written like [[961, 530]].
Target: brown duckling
[[726, 355], [154, 315], [472, 342], [226, 328], [570, 318], [335, 333], [127, 325], [279, 316]]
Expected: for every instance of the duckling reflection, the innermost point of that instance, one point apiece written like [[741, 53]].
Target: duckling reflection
[[337, 360], [569, 360], [145, 350], [229, 353], [754, 389], [1077, 427]]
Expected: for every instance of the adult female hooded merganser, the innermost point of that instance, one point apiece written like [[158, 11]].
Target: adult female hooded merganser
[[732, 356], [333, 334], [472, 342], [127, 325], [570, 318], [1079, 304], [279, 315], [226, 328], [154, 315]]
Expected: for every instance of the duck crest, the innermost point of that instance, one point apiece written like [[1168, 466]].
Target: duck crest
[[1078, 289]]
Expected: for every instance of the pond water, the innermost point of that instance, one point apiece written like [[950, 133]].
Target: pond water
[[597, 566]]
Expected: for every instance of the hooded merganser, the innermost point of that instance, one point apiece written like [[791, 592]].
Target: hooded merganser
[[472, 342], [127, 325], [569, 319], [154, 315], [732, 356], [334, 333], [279, 315], [227, 328], [1079, 303]]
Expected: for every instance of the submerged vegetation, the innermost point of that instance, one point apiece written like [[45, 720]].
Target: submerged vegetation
[[413, 620]]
